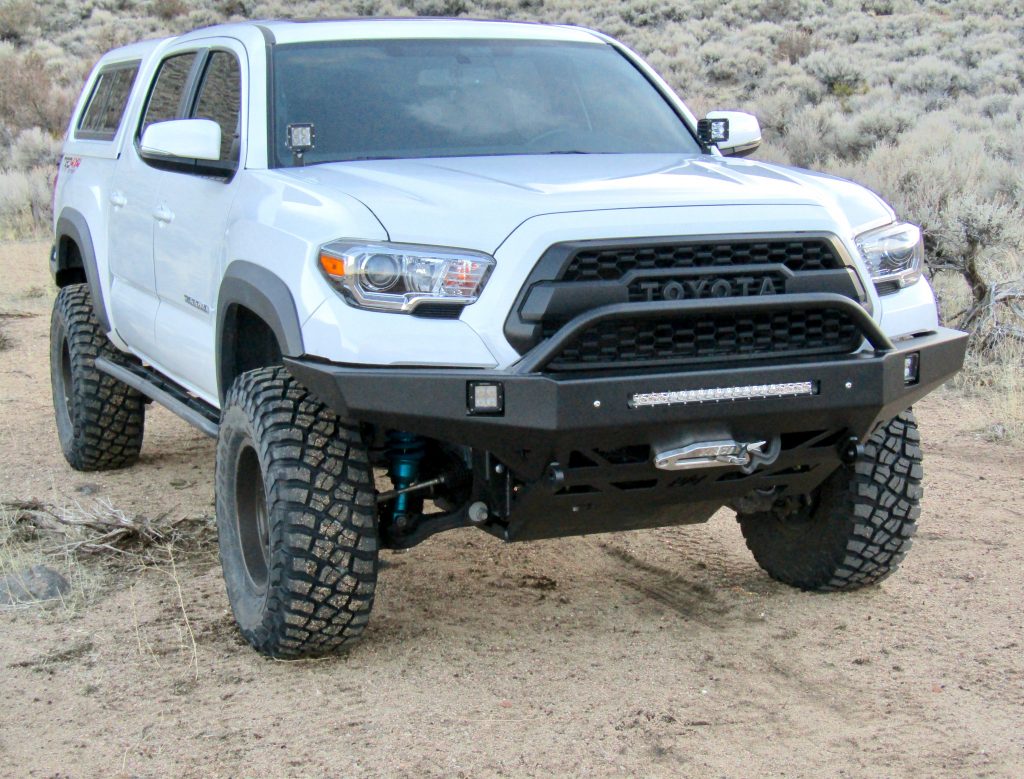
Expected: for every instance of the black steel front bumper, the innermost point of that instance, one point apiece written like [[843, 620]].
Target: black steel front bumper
[[542, 411], [552, 418]]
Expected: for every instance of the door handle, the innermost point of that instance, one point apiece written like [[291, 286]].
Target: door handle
[[163, 214], [118, 200]]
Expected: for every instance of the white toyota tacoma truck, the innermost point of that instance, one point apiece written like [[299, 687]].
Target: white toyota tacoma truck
[[417, 275]]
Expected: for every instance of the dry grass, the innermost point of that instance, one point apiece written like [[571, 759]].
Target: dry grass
[[19, 552], [100, 530], [25, 210], [5, 340], [86, 530], [996, 373], [999, 379], [88, 541]]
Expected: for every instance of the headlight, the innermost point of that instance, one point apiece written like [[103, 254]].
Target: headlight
[[893, 253], [400, 277]]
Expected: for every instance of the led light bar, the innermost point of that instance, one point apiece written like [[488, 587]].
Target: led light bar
[[787, 389]]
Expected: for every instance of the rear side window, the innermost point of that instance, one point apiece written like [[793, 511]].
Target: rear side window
[[220, 99], [165, 101], [105, 107]]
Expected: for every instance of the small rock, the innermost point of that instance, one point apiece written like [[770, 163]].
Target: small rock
[[996, 432], [537, 582], [88, 488], [32, 584]]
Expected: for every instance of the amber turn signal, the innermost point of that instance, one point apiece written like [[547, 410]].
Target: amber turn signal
[[332, 265]]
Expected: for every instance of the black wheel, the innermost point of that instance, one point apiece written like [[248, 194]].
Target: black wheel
[[857, 527], [296, 518], [100, 420]]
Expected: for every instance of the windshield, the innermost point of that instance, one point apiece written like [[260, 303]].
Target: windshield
[[386, 99]]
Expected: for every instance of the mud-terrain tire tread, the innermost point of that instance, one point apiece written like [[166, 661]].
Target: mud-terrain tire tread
[[107, 417], [321, 507], [861, 526]]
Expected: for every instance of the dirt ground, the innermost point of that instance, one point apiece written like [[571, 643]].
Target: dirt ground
[[656, 653]]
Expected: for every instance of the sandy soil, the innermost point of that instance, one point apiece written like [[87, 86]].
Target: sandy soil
[[657, 653]]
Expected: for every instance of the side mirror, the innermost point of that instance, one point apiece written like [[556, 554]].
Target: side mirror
[[743, 134], [188, 139]]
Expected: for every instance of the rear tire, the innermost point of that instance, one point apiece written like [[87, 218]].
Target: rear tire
[[100, 420], [296, 518], [859, 523]]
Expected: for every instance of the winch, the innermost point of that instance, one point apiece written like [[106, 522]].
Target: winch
[[715, 454]]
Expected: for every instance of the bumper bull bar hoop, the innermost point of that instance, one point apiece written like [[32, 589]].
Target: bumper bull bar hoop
[[539, 358]]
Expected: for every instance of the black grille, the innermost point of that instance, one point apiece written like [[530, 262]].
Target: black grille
[[574, 278], [613, 343], [609, 263]]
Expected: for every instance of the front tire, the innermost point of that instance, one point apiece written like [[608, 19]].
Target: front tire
[[100, 420], [859, 523], [296, 518]]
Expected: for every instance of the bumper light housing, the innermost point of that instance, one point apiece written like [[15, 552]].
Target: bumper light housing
[[911, 368], [485, 397]]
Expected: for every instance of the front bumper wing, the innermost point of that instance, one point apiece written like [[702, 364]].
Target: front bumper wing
[[558, 419], [542, 412]]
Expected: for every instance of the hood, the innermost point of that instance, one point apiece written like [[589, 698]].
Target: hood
[[476, 202]]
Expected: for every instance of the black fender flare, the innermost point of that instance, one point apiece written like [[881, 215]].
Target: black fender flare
[[72, 224], [254, 287]]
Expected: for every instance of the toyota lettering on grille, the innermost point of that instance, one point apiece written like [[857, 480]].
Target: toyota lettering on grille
[[693, 289]]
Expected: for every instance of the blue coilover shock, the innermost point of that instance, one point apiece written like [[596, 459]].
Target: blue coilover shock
[[405, 451]]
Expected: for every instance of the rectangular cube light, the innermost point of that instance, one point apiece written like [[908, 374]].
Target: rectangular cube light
[[485, 397], [911, 368]]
